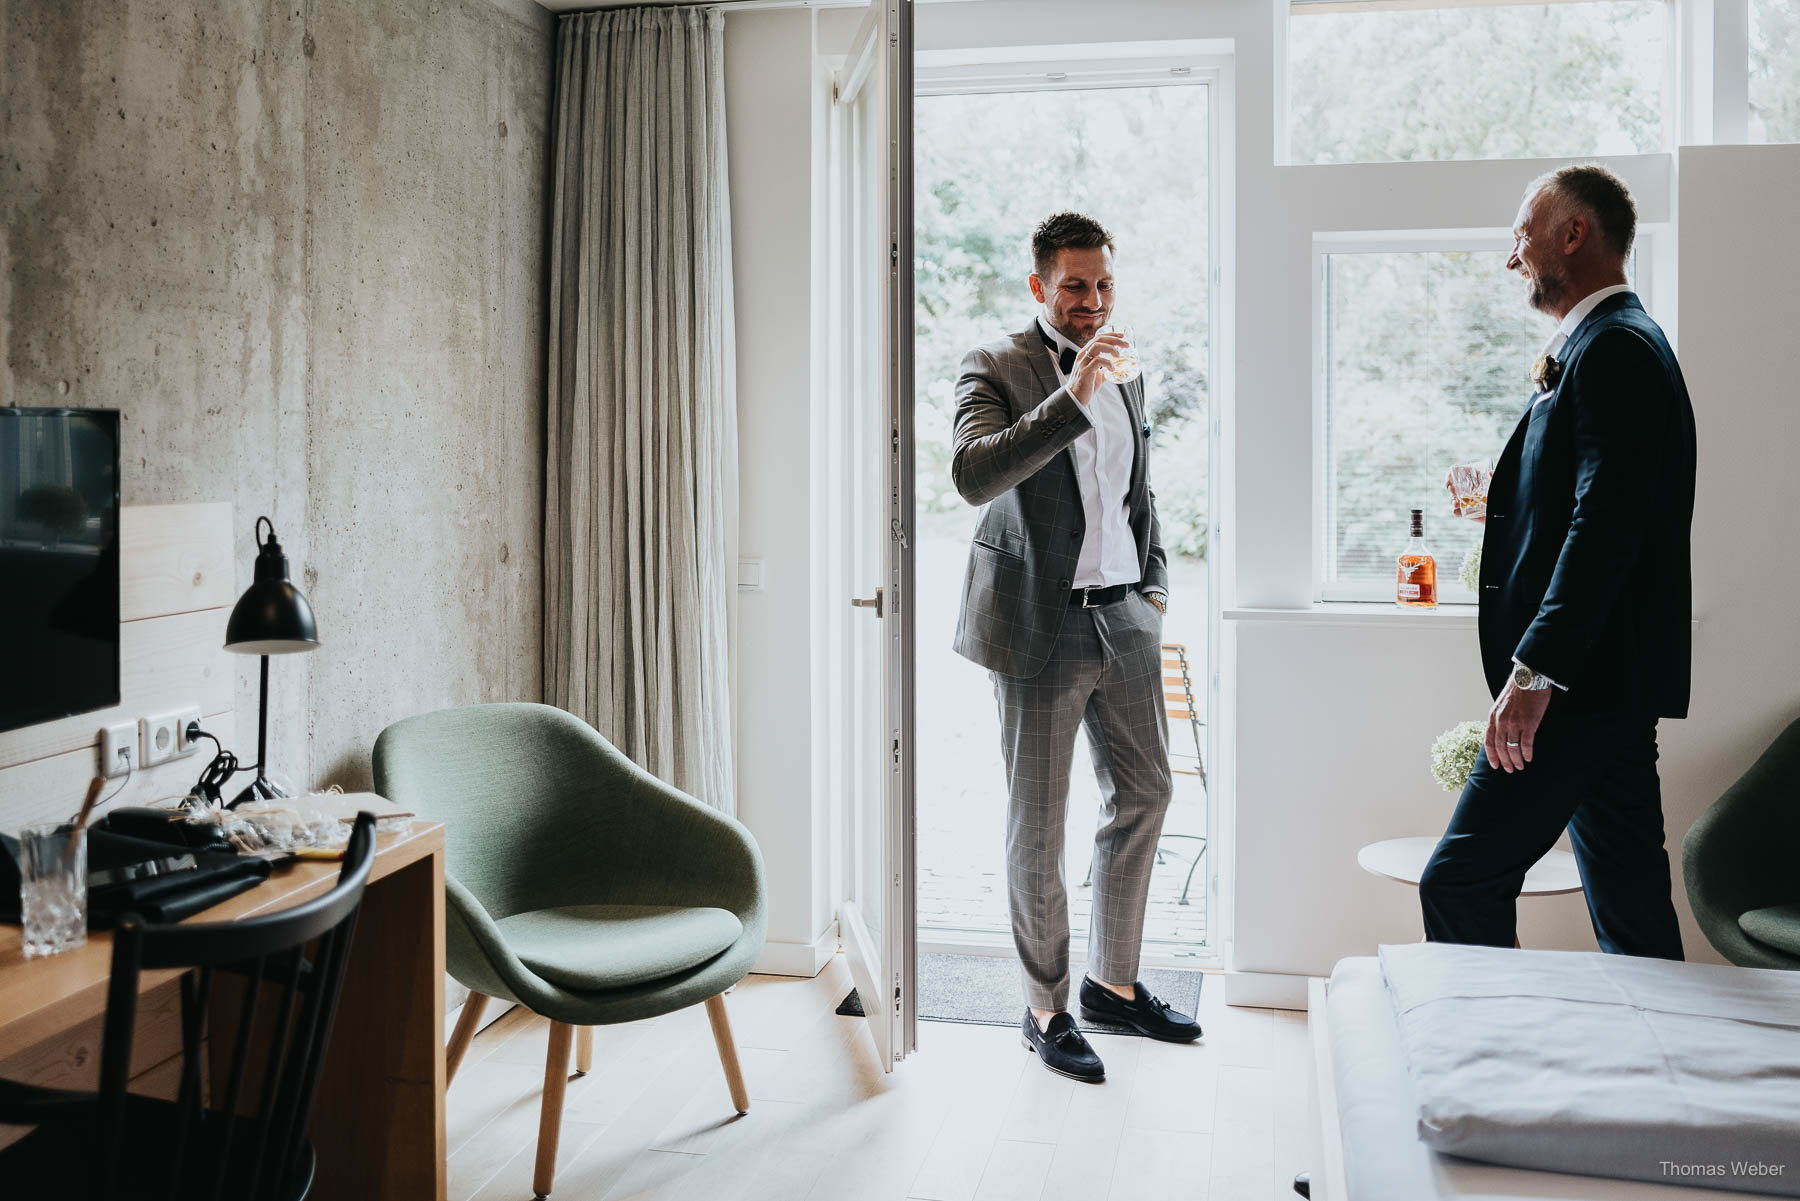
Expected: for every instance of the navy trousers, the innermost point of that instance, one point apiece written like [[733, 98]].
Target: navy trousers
[[1594, 775]]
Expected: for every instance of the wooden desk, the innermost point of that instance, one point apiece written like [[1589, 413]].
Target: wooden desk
[[378, 1125]]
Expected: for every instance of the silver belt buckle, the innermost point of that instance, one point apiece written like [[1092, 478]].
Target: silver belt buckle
[[1086, 592]]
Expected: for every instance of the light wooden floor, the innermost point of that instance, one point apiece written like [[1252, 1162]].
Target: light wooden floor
[[971, 1117]]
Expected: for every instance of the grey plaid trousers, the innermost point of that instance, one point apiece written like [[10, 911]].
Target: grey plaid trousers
[[1105, 672]]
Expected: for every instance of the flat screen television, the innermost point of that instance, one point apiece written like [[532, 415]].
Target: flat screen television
[[59, 563]]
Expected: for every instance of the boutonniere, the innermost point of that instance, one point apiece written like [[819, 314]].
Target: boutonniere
[[1545, 372]]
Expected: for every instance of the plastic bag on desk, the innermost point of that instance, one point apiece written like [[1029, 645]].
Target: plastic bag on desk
[[1468, 485], [258, 827]]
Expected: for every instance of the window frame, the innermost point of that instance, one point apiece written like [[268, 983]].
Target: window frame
[[1451, 593]]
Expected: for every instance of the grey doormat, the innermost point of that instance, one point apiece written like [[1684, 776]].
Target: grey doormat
[[984, 990]]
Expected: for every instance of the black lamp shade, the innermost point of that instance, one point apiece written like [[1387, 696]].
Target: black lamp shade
[[272, 617]]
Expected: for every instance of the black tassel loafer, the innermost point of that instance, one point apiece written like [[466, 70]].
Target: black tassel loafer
[[1146, 1013], [1063, 1049]]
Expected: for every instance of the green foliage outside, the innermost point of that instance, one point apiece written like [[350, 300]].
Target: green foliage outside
[[987, 169], [1508, 81], [1775, 70]]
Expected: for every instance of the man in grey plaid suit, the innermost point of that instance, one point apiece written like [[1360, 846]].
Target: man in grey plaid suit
[[1063, 605]]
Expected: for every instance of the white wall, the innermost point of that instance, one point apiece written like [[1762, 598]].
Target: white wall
[[768, 96], [1333, 719]]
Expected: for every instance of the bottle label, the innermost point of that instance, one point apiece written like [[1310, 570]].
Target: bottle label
[[1409, 592]]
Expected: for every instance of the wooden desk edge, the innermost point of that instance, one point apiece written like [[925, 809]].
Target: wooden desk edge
[[45, 1010]]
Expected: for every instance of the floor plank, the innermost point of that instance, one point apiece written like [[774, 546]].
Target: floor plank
[[970, 1117]]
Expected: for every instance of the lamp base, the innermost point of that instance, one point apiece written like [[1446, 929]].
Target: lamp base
[[261, 789]]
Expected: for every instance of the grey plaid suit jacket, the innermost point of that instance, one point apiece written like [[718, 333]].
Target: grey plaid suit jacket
[[1012, 456]]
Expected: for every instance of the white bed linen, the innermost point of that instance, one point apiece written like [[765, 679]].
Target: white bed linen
[[1378, 1120], [1611, 1065]]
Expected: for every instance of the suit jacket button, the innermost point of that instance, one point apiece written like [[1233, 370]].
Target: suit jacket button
[[1075, 533], [1062, 583]]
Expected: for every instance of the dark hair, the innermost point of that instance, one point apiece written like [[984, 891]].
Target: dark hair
[[1065, 230], [1601, 195]]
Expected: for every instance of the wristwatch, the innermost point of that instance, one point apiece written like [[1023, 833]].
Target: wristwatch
[[1527, 680]]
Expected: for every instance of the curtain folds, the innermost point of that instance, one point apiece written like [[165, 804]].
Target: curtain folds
[[640, 525]]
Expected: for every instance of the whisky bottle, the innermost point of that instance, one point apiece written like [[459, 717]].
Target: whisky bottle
[[1417, 583]]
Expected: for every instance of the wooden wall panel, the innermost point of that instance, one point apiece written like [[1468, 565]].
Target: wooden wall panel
[[176, 587], [177, 558]]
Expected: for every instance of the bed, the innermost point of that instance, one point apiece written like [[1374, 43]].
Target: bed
[[1369, 1117]]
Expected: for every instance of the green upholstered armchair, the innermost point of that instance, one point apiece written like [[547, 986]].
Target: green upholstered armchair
[[578, 884], [1742, 862]]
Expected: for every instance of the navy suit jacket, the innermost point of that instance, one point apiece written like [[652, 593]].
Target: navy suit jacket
[[1585, 568]]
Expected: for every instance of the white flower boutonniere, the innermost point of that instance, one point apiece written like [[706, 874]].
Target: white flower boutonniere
[[1545, 372]]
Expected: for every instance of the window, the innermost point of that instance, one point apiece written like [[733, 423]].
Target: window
[[1385, 80], [1423, 364], [1774, 71]]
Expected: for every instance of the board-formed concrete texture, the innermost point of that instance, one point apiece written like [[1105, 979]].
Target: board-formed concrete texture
[[300, 246]]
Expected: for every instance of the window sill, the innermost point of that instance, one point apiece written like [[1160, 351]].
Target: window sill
[[1367, 613]]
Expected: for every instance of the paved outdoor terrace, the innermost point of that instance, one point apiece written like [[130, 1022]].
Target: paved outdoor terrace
[[962, 783]]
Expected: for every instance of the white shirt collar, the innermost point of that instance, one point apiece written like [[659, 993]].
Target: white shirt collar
[[1055, 335], [1575, 316]]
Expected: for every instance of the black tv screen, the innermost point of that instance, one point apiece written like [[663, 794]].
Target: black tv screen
[[59, 563]]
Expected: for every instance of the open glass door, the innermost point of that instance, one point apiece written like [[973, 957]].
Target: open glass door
[[871, 335]]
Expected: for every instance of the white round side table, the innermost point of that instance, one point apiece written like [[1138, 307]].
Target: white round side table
[[1404, 860]]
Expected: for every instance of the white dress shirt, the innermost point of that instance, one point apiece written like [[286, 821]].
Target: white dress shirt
[[1574, 317], [1104, 456], [1570, 323]]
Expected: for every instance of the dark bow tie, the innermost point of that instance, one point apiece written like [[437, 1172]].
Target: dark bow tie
[[1065, 356]]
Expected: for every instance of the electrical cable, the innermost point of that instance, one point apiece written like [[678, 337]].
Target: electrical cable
[[130, 769], [217, 773]]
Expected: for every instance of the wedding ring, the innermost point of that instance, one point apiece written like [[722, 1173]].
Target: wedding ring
[[1512, 744]]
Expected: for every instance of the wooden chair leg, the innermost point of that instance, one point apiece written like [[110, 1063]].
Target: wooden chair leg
[[728, 1056], [466, 1024], [584, 1050], [556, 1079]]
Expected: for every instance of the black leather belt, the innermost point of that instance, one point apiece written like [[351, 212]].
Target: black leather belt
[[1093, 596]]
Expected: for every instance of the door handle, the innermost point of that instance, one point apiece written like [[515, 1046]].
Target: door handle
[[869, 602]]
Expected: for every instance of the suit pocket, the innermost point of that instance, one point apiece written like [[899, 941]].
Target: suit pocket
[[1001, 542]]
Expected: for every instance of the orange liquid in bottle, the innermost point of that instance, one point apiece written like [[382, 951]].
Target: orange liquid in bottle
[[1416, 575], [1417, 583]]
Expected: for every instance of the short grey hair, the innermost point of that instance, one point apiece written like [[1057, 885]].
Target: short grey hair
[[1599, 195]]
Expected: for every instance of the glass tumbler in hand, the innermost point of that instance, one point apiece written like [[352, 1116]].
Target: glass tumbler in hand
[[1125, 366], [53, 888], [1468, 485]]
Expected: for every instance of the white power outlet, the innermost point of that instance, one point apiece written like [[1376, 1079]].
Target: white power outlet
[[163, 736], [118, 746]]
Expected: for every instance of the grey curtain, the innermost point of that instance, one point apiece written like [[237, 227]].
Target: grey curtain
[[640, 533]]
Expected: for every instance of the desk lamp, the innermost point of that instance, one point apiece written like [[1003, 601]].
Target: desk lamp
[[271, 618]]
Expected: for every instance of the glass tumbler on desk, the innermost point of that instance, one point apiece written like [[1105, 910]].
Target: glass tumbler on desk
[[53, 888]]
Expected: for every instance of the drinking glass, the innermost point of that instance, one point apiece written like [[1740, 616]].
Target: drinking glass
[[1125, 367], [53, 888]]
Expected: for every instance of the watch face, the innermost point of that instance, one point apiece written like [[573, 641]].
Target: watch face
[[1522, 676]]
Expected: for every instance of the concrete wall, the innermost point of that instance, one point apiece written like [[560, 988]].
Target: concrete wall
[[300, 247]]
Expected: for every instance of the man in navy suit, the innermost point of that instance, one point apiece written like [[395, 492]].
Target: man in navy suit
[[1585, 595]]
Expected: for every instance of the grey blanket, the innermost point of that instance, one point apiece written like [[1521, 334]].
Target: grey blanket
[[1603, 1065]]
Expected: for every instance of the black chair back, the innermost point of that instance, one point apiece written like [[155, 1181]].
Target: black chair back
[[250, 1140]]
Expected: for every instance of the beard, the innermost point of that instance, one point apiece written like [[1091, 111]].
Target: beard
[[1546, 289]]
